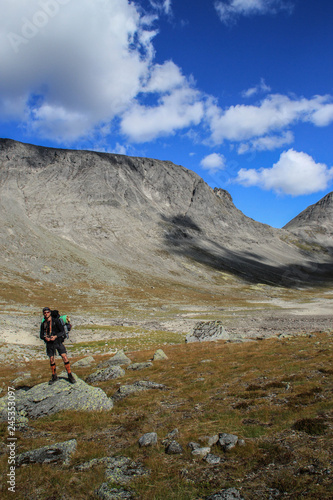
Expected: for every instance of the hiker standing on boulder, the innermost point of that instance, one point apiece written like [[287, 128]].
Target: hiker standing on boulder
[[53, 333]]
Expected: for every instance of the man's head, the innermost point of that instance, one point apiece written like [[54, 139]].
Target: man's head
[[46, 312]]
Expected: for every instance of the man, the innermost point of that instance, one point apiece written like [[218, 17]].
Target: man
[[53, 333]]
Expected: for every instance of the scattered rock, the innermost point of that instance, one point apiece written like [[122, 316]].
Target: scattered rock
[[229, 494], [105, 374], [207, 331], [56, 453], [212, 459], [227, 441], [174, 448], [193, 446], [140, 366], [170, 437], [118, 359], [141, 385], [84, 362], [107, 492], [148, 439], [122, 470], [202, 452], [160, 355], [44, 399]]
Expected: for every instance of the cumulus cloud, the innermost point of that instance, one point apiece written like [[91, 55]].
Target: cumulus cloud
[[276, 112], [230, 10], [267, 143], [76, 68], [213, 163], [177, 110], [296, 173], [69, 67], [164, 78]]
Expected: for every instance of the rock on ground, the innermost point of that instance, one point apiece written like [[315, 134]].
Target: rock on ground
[[84, 362], [141, 385], [106, 374], [206, 331], [44, 399], [56, 453], [118, 359], [229, 494]]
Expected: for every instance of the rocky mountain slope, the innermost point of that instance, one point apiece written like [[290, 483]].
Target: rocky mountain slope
[[80, 216], [315, 223]]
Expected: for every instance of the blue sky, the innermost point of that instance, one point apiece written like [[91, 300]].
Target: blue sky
[[240, 91]]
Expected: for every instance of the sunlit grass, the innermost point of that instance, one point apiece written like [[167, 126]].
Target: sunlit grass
[[274, 394]]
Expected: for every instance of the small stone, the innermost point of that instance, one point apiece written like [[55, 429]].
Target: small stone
[[174, 448], [148, 439], [227, 441], [193, 446], [108, 373], [160, 355], [140, 366], [229, 494], [212, 459], [202, 452]]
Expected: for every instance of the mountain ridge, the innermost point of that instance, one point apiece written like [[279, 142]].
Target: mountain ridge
[[84, 215]]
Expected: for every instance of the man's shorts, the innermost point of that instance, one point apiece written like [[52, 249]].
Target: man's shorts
[[52, 347]]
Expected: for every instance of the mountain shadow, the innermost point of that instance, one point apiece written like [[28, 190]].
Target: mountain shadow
[[186, 239]]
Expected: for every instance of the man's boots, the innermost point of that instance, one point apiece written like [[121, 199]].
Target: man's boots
[[53, 379], [71, 379]]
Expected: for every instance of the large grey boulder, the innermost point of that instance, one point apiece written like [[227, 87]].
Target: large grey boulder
[[56, 453], [207, 331], [44, 399]]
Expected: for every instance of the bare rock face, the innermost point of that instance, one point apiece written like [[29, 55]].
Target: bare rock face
[[72, 216], [315, 223]]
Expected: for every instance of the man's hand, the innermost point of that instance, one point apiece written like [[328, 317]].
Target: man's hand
[[50, 339]]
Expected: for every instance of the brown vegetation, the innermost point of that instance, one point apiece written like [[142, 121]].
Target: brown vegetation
[[274, 394]]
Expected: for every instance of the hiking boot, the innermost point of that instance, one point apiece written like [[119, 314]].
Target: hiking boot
[[71, 379], [53, 379]]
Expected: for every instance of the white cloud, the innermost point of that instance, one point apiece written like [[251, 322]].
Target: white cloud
[[267, 143], [213, 163], [323, 116], [295, 173], [162, 5], [230, 10], [86, 61], [260, 88], [177, 110], [274, 113], [164, 78]]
